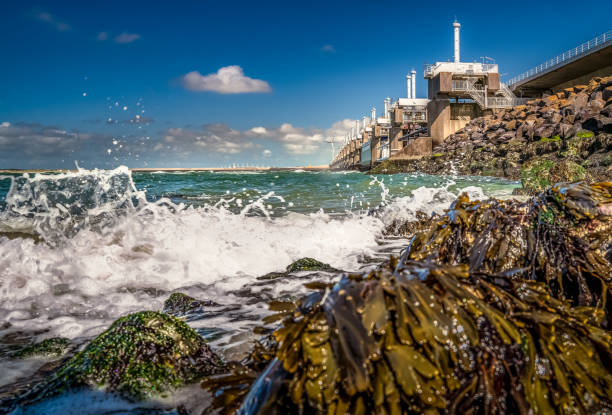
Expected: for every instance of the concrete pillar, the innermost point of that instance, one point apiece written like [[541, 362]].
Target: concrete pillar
[[439, 116]]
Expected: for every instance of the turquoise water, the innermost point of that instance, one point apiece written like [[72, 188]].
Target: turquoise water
[[79, 250], [304, 192]]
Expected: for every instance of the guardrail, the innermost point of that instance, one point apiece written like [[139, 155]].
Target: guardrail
[[570, 54]]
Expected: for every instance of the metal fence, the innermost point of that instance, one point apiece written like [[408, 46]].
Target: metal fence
[[597, 42]]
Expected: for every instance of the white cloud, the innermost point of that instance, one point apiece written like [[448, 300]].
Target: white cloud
[[52, 20], [102, 36], [328, 49], [266, 153], [258, 130], [5, 124], [127, 38], [227, 80]]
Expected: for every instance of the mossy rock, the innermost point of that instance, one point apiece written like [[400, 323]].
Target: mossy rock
[[308, 264], [141, 355], [53, 347], [179, 304], [539, 174], [585, 134], [550, 139]]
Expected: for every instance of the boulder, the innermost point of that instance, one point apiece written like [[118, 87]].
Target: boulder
[[141, 355], [607, 93], [538, 174], [179, 304], [308, 264]]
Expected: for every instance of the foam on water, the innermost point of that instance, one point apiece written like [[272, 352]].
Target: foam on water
[[108, 251]]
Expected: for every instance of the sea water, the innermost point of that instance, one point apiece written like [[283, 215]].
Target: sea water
[[78, 250]]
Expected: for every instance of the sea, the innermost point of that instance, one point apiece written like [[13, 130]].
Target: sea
[[80, 249]]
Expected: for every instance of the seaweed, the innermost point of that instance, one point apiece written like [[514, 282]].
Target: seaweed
[[498, 308]]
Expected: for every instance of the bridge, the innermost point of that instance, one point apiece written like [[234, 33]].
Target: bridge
[[575, 66]]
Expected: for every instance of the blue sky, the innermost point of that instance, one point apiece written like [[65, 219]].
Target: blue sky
[[68, 69]]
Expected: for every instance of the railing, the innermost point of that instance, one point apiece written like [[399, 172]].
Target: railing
[[419, 116], [570, 54], [465, 85]]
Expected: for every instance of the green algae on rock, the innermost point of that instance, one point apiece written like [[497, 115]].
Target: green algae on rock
[[308, 264], [141, 355], [53, 347], [539, 174]]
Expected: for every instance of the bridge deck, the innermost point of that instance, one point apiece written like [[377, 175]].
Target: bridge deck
[[581, 61]]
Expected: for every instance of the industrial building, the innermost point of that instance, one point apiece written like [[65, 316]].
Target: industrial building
[[411, 127]]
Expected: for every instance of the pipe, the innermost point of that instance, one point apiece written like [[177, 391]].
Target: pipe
[[413, 84], [408, 84], [456, 27]]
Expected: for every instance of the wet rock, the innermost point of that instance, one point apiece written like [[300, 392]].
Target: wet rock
[[179, 304], [139, 356], [53, 347], [542, 173], [308, 264]]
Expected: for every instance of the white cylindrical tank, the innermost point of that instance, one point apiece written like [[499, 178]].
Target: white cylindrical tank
[[373, 114], [387, 101], [413, 84], [408, 85], [456, 27]]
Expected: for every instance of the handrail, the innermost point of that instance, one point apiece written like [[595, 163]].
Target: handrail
[[570, 54]]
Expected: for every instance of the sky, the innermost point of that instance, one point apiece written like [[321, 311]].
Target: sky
[[211, 84]]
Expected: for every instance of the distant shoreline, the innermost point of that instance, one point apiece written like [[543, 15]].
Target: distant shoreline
[[174, 169]]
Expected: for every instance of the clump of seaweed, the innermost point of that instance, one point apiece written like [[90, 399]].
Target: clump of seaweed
[[498, 308], [563, 238]]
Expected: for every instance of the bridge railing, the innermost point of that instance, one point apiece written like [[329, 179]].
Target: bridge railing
[[570, 54]]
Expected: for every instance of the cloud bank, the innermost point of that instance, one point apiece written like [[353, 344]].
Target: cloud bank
[[227, 80]]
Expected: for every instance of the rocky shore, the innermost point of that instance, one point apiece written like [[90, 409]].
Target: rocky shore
[[495, 307], [563, 137]]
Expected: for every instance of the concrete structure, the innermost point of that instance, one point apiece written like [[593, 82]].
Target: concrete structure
[[457, 92], [573, 67]]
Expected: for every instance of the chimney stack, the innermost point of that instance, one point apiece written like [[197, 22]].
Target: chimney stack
[[365, 122], [456, 27], [413, 83], [408, 85], [387, 101], [373, 114]]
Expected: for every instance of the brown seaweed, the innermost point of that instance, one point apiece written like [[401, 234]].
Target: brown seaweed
[[498, 308]]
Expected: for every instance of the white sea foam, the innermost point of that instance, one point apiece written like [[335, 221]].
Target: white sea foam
[[118, 253]]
